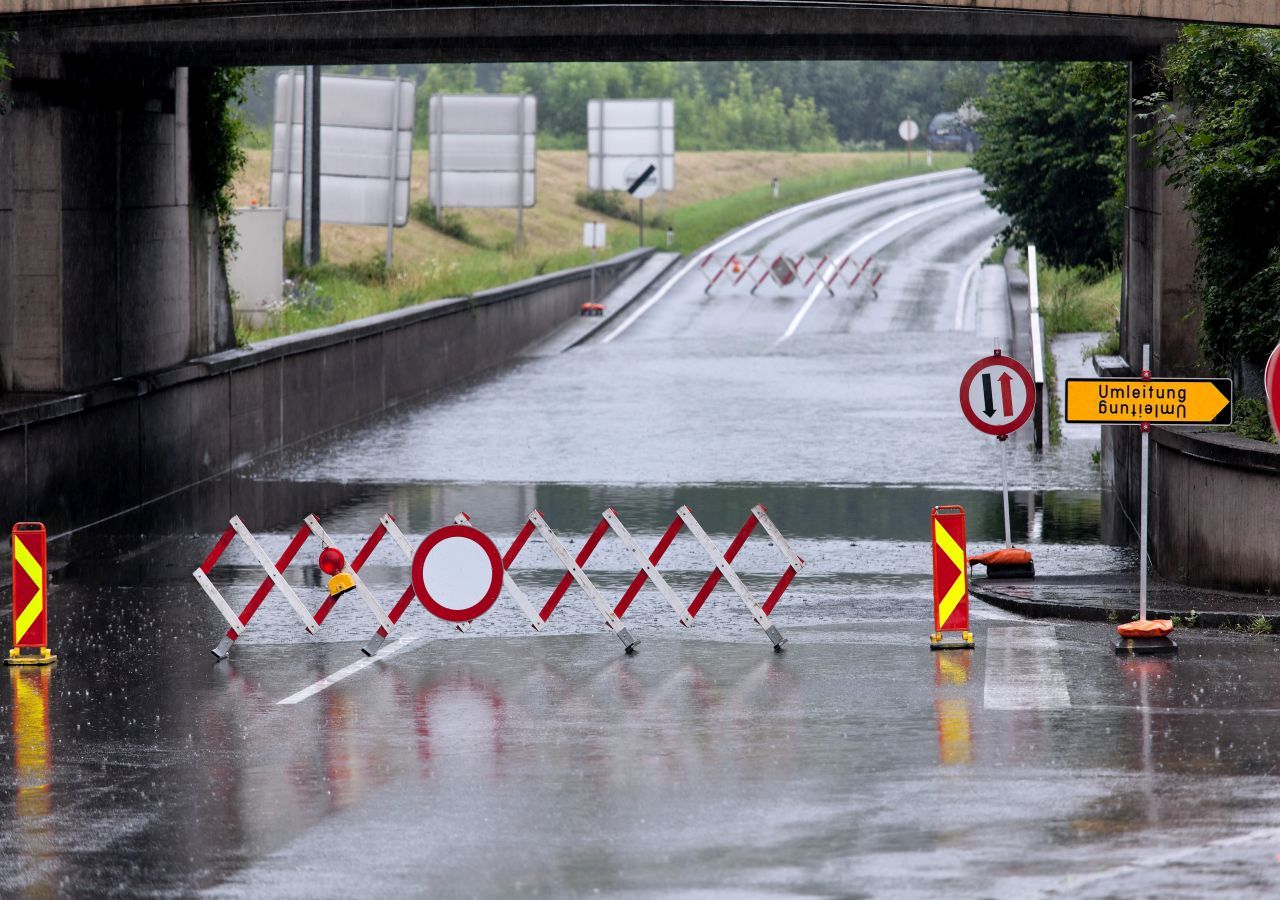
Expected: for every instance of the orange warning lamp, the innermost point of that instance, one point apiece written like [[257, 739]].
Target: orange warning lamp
[[332, 562]]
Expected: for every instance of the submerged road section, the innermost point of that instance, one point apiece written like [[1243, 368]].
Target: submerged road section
[[503, 762]]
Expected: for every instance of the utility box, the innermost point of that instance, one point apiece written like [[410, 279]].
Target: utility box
[[255, 272]]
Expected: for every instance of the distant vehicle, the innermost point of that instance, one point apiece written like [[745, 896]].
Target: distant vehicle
[[948, 132]]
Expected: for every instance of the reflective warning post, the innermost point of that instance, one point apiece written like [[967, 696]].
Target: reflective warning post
[[30, 597], [950, 580]]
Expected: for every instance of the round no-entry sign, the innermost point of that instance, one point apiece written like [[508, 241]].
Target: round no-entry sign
[[997, 395], [457, 573]]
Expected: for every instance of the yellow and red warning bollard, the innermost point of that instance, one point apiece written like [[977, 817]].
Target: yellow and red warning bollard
[[950, 581], [30, 597]]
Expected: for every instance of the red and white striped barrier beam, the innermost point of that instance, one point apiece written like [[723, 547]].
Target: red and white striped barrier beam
[[785, 271]]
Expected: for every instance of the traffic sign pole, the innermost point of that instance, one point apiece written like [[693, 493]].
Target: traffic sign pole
[[1004, 478], [1146, 470]]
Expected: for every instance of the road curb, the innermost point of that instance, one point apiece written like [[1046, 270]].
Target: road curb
[[1087, 612], [610, 319]]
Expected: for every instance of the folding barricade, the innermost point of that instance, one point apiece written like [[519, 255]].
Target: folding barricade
[[574, 573], [785, 270]]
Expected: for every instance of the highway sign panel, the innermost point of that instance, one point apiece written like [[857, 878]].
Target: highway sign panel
[[1165, 401], [997, 395], [641, 178], [593, 234], [482, 150], [619, 131]]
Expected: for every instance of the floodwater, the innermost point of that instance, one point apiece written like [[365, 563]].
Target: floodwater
[[501, 762]]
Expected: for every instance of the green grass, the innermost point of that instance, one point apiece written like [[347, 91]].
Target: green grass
[[1075, 300], [335, 294], [700, 224]]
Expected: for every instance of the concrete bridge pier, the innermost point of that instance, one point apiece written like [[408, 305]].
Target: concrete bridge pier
[[108, 266]]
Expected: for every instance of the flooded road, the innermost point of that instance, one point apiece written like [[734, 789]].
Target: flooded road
[[501, 762]]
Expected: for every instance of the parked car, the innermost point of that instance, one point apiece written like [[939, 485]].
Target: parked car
[[948, 132]]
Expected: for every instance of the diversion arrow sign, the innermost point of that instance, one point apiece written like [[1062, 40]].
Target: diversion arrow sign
[[1164, 401]]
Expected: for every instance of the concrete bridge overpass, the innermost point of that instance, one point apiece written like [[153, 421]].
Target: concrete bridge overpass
[[108, 267]]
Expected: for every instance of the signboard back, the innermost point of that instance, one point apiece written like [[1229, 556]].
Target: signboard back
[[482, 150]]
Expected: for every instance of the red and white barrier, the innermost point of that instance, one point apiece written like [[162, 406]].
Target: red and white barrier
[[785, 271], [575, 573]]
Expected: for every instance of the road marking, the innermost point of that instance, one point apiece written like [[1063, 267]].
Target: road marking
[[1149, 860], [735, 235], [963, 298], [329, 681], [1024, 670], [858, 244]]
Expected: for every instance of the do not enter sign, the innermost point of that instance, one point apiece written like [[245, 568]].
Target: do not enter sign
[[997, 395], [457, 573]]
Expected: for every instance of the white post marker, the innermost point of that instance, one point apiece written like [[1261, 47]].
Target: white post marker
[[998, 397]]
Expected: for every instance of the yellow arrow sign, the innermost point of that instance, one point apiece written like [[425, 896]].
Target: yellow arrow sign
[[1132, 401]]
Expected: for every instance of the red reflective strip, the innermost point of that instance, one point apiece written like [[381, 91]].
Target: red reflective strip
[[398, 610], [323, 612], [218, 549], [583, 555], [655, 557], [281, 564], [778, 590], [729, 554], [369, 545], [746, 269], [517, 545], [816, 270]]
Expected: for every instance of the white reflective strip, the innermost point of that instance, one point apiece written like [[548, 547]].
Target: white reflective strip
[[344, 673], [273, 573], [398, 536], [227, 612], [649, 568], [521, 598], [717, 558], [365, 594], [575, 570], [776, 536]]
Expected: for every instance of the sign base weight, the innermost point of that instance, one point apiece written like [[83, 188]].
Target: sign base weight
[[1144, 646]]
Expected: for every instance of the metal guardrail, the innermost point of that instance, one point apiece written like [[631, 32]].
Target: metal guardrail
[[1041, 418]]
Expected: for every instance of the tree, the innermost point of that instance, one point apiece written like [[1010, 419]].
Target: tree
[[1221, 142], [1053, 156]]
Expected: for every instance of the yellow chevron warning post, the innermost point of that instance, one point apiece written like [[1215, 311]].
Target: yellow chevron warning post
[[950, 580], [1166, 401], [30, 597]]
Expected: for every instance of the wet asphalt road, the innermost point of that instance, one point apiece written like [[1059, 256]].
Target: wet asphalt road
[[501, 762]]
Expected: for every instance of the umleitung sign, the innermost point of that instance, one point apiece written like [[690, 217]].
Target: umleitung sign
[[1165, 401]]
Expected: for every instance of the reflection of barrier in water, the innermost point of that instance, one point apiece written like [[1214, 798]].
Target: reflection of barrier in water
[[33, 773], [955, 731], [468, 580]]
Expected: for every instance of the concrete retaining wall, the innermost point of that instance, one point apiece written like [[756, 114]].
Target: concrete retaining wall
[[1213, 505], [76, 459]]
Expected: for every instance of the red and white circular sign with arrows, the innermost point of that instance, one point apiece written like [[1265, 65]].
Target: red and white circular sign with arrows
[[997, 395]]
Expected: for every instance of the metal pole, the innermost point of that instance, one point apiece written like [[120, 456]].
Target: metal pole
[[435, 158], [641, 221], [1004, 478], [311, 167], [593, 267], [520, 201], [393, 166], [288, 139], [1146, 470]]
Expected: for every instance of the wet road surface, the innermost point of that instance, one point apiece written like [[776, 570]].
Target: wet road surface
[[501, 762]]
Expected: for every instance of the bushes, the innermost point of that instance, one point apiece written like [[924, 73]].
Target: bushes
[[613, 204], [215, 96], [450, 224]]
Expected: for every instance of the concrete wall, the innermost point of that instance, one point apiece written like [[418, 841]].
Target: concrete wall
[[74, 460]]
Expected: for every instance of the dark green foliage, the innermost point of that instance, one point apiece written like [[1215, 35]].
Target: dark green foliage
[[1053, 155], [1222, 143], [1251, 419], [6, 37], [373, 271], [450, 224], [614, 204], [216, 155]]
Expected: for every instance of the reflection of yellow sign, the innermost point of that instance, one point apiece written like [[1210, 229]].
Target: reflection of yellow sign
[[31, 743], [1132, 401]]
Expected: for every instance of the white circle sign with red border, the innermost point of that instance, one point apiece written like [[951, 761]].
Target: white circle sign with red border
[[997, 395], [457, 573]]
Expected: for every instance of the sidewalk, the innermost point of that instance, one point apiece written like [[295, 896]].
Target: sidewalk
[[1114, 598]]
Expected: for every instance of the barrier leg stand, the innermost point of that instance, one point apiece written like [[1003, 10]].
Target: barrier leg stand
[[30, 597], [950, 581]]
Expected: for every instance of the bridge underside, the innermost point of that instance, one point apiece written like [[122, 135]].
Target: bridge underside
[[350, 31]]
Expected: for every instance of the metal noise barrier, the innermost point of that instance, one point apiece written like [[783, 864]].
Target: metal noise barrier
[[574, 573], [787, 270]]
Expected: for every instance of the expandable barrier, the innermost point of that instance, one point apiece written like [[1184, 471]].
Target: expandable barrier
[[950, 580], [574, 573], [30, 597], [786, 270]]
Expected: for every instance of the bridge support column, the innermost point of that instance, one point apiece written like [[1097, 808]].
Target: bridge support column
[[105, 269]]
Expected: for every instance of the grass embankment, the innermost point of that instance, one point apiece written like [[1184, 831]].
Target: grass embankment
[[1074, 301], [715, 192]]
